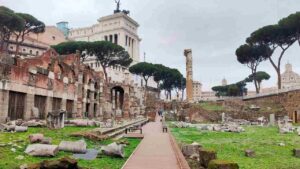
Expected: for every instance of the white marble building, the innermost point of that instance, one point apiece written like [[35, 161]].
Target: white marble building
[[289, 78], [118, 28]]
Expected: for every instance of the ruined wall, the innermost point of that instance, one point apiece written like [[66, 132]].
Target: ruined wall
[[290, 102], [50, 82]]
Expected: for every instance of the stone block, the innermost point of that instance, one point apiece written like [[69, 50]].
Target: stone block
[[190, 149], [32, 70], [296, 152], [51, 75], [66, 80], [222, 164], [249, 153], [206, 155]]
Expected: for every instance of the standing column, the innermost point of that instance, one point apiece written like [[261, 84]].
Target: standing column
[[29, 104], [113, 99], [189, 74], [126, 103], [4, 99], [91, 108], [117, 100]]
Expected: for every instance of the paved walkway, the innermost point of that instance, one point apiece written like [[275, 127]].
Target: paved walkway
[[155, 151]]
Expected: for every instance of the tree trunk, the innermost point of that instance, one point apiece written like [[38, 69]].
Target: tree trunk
[[105, 73], [277, 69], [255, 84], [146, 81], [253, 70], [166, 95], [278, 78], [259, 83], [17, 45]]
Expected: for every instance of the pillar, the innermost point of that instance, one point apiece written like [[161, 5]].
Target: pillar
[[118, 100], [49, 105], [4, 99], [189, 74], [113, 99], [91, 101], [29, 104], [63, 104], [126, 103]]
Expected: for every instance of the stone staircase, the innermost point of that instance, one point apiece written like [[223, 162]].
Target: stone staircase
[[118, 130]]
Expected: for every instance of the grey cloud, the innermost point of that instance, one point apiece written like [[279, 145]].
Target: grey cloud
[[212, 28]]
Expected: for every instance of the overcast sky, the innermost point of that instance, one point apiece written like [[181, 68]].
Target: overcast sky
[[213, 29]]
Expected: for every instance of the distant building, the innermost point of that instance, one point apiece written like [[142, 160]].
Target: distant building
[[224, 82], [117, 28], [197, 91], [63, 27], [37, 44], [209, 96], [289, 78]]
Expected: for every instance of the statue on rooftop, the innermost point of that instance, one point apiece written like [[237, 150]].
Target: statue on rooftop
[[118, 6]]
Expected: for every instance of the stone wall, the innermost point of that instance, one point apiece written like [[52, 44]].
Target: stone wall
[[290, 101], [48, 77]]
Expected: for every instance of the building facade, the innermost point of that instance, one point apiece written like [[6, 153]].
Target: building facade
[[197, 91], [289, 78], [117, 28], [51, 82], [36, 44], [122, 30]]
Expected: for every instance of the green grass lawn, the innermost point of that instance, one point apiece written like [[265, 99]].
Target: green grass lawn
[[8, 161], [231, 146], [210, 106]]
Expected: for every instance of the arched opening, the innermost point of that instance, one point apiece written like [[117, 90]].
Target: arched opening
[[117, 97]]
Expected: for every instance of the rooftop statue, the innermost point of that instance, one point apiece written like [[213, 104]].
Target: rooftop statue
[[118, 8]]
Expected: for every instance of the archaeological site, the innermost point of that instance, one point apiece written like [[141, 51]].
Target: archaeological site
[[117, 84]]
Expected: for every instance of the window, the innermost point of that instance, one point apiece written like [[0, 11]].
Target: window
[[116, 39], [129, 39], [37, 53], [126, 40], [53, 37], [24, 50], [105, 38], [30, 51], [11, 47], [110, 38]]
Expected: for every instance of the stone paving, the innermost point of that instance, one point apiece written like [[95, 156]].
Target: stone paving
[[155, 151]]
